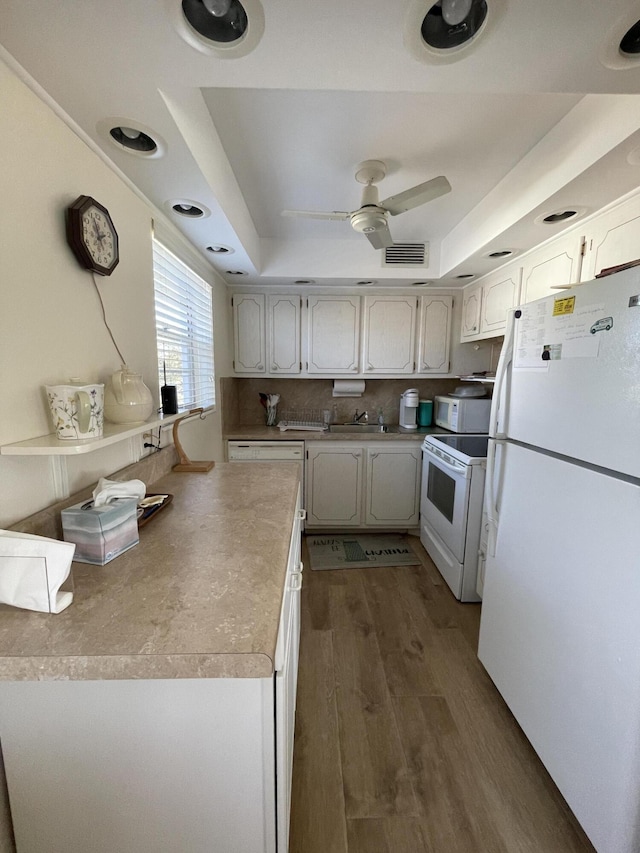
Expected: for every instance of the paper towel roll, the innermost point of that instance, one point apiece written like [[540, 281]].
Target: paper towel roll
[[348, 387]]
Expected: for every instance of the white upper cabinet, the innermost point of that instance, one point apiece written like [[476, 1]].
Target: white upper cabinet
[[485, 304], [333, 325], [389, 334], [435, 334], [554, 264], [500, 292], [249, 352], [283, 333], [613, 238], [471, 307]]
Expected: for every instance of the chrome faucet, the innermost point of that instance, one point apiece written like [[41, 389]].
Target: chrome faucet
[[358, 417]]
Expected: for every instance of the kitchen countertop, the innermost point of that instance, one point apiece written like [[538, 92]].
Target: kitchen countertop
[[259, 432], [198, 597]]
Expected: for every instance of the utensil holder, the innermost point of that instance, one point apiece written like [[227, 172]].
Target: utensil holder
[[272, 415]]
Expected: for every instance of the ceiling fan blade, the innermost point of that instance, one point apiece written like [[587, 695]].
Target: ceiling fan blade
[[416, 196], [317, 214], [380, 239]]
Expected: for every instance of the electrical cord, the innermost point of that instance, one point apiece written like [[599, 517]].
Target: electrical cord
[[104, 318]]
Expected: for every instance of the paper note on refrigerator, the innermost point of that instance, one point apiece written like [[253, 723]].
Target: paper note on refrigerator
[[546, 334]]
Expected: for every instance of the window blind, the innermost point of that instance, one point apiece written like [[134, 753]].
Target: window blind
[[184, 329]]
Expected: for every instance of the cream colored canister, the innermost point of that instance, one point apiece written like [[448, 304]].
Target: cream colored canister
[[126, 398], [77, 409]]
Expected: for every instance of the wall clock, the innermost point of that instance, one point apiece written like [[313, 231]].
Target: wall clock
[[92, 235]]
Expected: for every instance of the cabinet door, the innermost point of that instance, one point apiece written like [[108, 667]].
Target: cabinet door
[[435, 334], [334, 334], [556, 263], [471, 307], [500, 292], [613, 238], [248, 333], [283, 333], [334, 485], [393, 485], [389, 334]]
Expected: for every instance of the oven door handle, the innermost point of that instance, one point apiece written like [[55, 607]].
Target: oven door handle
[[458, 469]]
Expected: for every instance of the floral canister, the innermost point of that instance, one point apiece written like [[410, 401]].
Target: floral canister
[[77, 409]]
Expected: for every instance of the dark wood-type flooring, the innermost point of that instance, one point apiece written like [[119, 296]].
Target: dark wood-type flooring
[[403, 744]]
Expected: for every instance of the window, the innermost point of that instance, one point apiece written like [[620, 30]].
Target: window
[[184, 329]]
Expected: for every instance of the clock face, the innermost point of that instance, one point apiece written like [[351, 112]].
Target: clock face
[[98, 237], [92, 236]]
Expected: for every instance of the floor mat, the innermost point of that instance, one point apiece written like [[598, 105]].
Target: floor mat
[[360, 552]]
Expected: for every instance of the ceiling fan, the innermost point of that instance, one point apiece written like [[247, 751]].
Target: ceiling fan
[[371, 217]]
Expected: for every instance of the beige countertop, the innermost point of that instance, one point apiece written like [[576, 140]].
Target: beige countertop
[[198, 597], [259, 432]]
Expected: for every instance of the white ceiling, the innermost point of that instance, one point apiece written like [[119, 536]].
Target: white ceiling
[[539, 113]]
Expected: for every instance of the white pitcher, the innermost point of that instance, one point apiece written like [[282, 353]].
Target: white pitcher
[[127, 399], [77, 409]]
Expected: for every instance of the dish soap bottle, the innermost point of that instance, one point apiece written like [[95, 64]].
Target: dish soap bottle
[[334, 414]]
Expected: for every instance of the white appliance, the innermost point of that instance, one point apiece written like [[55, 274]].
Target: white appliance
[[462, 414], [409, 402], [560, 626], [453, 473], [268, 451]]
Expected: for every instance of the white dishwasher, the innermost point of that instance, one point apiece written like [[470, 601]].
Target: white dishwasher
[[268, 451]]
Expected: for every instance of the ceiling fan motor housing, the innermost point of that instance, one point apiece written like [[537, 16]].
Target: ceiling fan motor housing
[[369, 219]]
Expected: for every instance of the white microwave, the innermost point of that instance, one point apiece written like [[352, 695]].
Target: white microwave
[[463, 414]]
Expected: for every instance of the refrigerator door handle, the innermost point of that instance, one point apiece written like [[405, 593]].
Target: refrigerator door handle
[[504, 363], [491, 499]]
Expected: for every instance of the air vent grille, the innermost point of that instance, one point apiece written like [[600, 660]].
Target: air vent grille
[[406, 255]]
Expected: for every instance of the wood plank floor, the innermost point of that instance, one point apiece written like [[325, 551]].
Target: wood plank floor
[[403, 744]]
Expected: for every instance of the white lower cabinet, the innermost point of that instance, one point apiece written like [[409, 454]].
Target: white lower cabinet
[[334, 481], [142, 766], [363, 485], [392, 493]]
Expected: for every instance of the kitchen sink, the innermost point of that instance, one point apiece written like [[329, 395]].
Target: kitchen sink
[[361, 428]]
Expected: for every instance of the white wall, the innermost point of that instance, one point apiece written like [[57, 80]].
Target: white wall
[[50, 320]]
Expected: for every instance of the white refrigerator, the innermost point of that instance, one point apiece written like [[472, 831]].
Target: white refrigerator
[[560, 624]]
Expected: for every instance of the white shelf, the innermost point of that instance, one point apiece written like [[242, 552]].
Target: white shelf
[[49, 445], [490, 379]]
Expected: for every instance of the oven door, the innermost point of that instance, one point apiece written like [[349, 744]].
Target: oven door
[[444, 500]]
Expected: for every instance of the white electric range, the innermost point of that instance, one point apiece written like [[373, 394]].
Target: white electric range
[[453, 472]]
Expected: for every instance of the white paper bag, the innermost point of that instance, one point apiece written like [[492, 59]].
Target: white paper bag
[[32, 570]]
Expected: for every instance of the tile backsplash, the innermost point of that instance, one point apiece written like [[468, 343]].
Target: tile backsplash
[[241, 401]]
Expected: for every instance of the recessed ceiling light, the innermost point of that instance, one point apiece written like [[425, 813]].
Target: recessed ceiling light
[[305, 281], [134, 140], [501, 253], [129, 135], [188, 207], [559, 216], [220, 21], [450, 28], [466, 275], [451, 23], [219, 249], [367, 283], [630, 41], [421, 283], [226, 29], [236, 272]]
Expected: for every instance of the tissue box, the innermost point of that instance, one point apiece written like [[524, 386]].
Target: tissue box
[[101, 533]]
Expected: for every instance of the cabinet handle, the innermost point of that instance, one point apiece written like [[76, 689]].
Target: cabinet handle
[[298, 569], [274, 367], [302, 514], [369, 367], [296, 583]]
